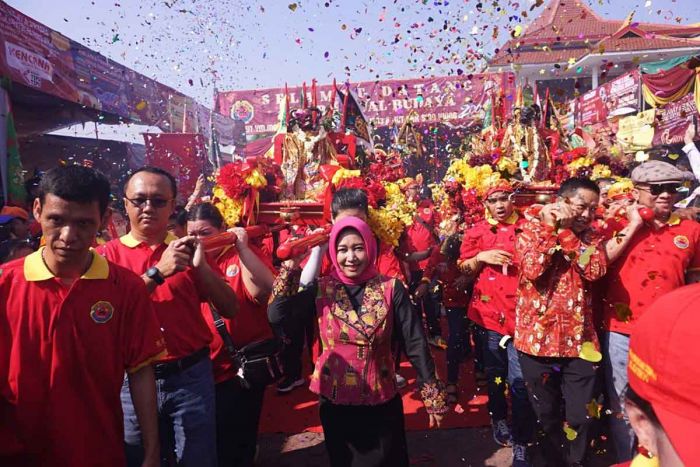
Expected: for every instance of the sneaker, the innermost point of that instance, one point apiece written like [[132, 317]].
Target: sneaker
[[400, 381], [501, 433], [520, 458], [288, 384], [438, 341]]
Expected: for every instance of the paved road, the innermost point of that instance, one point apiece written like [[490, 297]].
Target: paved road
[[440, 448]]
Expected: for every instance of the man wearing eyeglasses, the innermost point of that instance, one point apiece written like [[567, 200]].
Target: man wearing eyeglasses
[[179, 279], [648, 259]]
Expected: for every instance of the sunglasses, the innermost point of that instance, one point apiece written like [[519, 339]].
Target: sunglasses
[[157, 203], [656, 190]]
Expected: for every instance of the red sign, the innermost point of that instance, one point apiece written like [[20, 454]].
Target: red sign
[[595, 105], [45, 60], [182, 154], [673, 120], [458, 100]]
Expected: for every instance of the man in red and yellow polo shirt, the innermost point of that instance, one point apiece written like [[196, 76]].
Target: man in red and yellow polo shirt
[[487, 255], [179, 278], [647, 260], [68, 331]]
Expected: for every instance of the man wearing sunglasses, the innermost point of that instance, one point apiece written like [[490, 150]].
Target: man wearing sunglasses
[[179, 279], [648, 259]]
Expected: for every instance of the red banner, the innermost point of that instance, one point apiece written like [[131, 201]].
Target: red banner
[[182, 154], [43, 59], [595, 105], [458, 100], [673, 120]]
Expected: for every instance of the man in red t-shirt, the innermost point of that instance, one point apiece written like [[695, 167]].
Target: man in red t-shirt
[[647, 261], [179, 279], [71, 323], [419, 248], [487, 255]]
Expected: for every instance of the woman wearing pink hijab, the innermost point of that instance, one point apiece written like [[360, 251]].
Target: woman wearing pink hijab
[[361, 316]]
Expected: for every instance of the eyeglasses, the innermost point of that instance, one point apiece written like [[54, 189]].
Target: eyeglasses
[[157, 203], [656, 190]]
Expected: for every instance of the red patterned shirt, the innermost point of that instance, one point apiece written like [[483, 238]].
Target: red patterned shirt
[[553, 311]]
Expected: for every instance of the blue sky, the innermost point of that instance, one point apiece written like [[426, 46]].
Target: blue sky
[[197, 45]]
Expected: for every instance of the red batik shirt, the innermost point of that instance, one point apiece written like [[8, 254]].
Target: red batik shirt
[[553, 316]]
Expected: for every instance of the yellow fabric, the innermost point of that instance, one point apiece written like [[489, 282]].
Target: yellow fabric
[[642, 461], [673, 219], [512, 219], [654, 100], [131, 242], [35, 270]]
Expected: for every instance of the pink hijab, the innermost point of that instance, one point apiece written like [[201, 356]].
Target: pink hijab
[[365, 232]]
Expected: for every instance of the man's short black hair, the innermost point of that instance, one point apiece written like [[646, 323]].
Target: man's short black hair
[[206, 212], [349, 198], [179, 216], [76, 183], [156, 171], [571, 185]]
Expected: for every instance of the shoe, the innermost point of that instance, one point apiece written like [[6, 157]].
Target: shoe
[[400, 381], [438, 341], [501, 433], [288, 384], [520, 458]]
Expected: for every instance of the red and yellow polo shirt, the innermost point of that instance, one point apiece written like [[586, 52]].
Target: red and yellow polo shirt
[[654, 263], [493, 300], [250, 323], [63, 353], [177, 302]]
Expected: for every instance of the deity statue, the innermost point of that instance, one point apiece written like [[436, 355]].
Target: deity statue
[[301, 152], [523, 142]]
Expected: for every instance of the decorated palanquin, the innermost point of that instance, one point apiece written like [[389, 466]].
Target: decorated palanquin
[[292, 183], [533, 155]]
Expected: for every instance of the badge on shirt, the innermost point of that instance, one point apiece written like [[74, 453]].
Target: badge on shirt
[[101, 312], [681, 241], [232, 270]]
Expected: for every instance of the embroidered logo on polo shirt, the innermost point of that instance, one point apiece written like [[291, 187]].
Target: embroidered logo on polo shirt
[[101, 312], [232, 270], [681, 241]]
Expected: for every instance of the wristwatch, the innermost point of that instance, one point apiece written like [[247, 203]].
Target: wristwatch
[[155, 275]]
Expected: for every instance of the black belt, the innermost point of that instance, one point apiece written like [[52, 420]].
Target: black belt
[[164, 370]]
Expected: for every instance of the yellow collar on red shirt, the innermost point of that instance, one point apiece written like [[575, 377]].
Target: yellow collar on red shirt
[[673, 220], [35, 270], [512, 219], [131, 242]]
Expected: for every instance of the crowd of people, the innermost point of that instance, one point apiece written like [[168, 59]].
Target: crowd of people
[[154, 348]]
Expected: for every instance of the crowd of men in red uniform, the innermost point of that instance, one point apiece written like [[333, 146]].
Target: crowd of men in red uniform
[[550, 298]]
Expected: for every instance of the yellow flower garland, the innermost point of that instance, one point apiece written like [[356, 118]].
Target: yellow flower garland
[[478, 178], [389, 221], [230, 209]]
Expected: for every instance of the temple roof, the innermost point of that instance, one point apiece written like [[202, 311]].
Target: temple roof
[[570, 29]]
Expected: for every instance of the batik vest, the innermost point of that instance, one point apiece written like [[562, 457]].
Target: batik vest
[[356, 365]]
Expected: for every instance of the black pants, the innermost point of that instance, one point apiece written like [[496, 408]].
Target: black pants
[[553, 383], [365, 435], [237, 419], [292, 330], [427, 305]]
